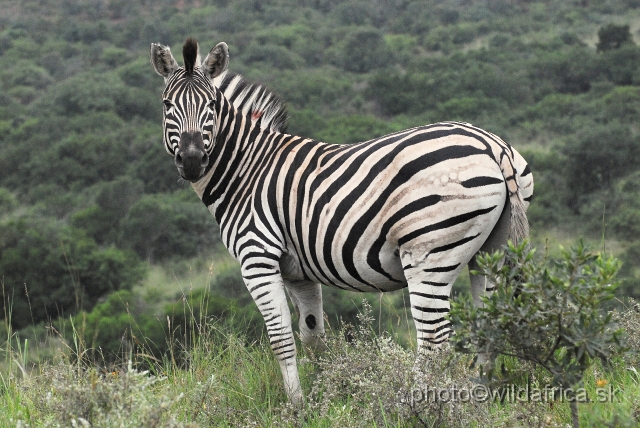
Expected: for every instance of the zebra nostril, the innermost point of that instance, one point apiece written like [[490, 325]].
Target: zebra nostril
[[179, 161], [205, 160]]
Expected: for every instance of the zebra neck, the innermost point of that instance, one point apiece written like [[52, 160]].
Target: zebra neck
[[240, 153]]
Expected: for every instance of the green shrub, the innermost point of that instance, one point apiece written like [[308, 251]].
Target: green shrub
[[49, 270], [78, 397], [597, 156], [158, 227], [612, 36], [361, 51], [551, 317]]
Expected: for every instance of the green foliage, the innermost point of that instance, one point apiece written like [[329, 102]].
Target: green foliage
[[158, 227], [612, 36], [90, 397], [201, 306], [102, 220], [49, 270], [570, 70], [362, 378], [114, 329], [7, 201], [379, 380], [621, 66], [128, 323], [274, 55], [362, 50], [354, 129], [599, 155], [549, 316], [299, 43]]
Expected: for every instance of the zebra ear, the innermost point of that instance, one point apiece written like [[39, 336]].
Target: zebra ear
[[162, 61], [217, 61]]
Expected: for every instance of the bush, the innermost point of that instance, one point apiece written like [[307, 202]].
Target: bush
[[79, 160], [8, 201], [571, 70], [126, 326], [597, 156], [380, 381], [158, 227], [113, 201], [189, 316], [73, 396], [49, 270], [551, 317], [277, 56], [361, 51], [621, 66], [353, 129], [118, 329], [613, 36]]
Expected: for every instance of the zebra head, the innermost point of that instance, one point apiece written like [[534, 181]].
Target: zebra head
[[190, 102]]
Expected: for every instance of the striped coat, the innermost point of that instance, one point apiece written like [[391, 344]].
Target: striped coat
[[410, 209]]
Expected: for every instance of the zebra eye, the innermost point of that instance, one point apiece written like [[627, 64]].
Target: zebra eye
[[212, 105], [167, 104]]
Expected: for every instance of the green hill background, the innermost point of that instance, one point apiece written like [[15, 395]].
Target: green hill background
[[91, 208]]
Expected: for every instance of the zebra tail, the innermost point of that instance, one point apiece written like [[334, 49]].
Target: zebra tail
[[519, 227]]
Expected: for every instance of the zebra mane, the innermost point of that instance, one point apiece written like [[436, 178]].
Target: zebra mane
[[190, 55], [255, 100]]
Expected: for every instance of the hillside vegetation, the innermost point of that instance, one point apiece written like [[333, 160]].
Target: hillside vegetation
[[100, 241]]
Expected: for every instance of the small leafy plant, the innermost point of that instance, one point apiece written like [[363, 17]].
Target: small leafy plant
[[548, 316]]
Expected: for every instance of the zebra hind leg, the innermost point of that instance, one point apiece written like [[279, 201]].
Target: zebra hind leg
[[306, 297], [480, 285], [429, 284]]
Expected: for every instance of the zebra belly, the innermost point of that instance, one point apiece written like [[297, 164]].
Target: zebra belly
[[291, 268]]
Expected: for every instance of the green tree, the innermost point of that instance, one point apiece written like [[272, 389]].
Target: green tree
[[79, 160], [353, 129], [597, 156], [361, 51], [101, 220], [8, 201], [570, 70], [622, 66], [277, 56], [612, 36], [158, 227], [49, 270], [120, 325]]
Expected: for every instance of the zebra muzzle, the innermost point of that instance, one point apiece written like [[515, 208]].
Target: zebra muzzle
[[191, 159]]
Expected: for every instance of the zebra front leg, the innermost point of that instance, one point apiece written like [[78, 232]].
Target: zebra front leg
[[268, 292], [306, 297]]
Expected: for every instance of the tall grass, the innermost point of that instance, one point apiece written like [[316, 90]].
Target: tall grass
[[219, 374], [362, 379]]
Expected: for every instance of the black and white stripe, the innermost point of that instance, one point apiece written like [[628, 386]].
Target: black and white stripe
[[409, 209]]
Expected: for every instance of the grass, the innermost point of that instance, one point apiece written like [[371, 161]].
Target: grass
[[367, 380], [219, 377], [164, 283]]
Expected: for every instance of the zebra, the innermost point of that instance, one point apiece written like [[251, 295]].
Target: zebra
[[410, 209]]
